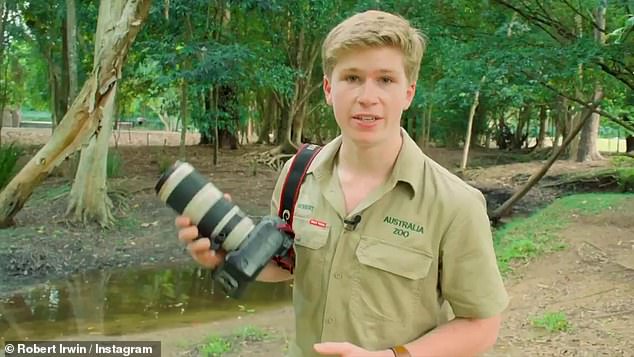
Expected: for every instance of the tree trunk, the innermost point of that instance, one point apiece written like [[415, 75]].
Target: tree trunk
[[69, 167], [268, 115], [588, 150], [86, 114], [420, 139], [4, 70], [429, 121], [181, 149], [304, 57], [522, 122], [214, 100], [575, 118], [88, 200], [541, 137], [561, 121], [185, 92], [629, 144], [71, 48], [534, 179], [467, 141], [55, 89]]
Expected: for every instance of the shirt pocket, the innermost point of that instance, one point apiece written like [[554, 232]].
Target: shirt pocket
[[310, 241], [391, 282], [395, 259], [308, 235]]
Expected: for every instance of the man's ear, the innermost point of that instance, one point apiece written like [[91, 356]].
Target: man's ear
[[327, 90], [409, 95]]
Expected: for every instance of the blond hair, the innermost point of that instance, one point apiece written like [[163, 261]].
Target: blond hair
[[373, 29]]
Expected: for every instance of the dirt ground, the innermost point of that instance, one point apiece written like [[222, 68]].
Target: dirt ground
[[592, 280], [45, 245]]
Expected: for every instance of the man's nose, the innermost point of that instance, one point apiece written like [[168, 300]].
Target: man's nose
[[368, 93]]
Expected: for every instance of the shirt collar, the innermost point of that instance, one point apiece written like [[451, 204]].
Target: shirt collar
[[408, 167]]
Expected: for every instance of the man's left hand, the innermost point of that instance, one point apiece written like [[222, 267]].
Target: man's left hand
[[344, 349]]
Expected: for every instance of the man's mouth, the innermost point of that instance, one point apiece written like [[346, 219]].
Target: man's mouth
[[366, 118]]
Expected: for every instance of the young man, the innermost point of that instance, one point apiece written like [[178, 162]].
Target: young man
[[417, 274]]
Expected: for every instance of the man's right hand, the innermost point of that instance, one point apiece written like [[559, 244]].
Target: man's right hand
[[199, 249]]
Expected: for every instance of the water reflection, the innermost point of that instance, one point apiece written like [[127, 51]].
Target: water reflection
[[114, 303]]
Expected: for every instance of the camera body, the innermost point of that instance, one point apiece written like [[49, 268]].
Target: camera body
[[250, 247], [261, 246]]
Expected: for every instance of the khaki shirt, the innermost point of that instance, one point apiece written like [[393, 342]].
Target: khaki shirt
[[424, 239]]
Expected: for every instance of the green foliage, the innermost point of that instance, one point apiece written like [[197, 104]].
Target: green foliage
[[625, 179], [251, 334], [525, 238], [164, 162], [128, 223], [263, 50], [622, 161], [552, 322], [624, 172], [114, 164], [216, 346], [51, 193], [9, 155]]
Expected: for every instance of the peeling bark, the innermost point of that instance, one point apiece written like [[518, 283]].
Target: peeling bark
[[85, 114]]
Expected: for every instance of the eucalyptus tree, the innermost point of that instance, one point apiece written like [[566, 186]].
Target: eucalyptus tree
[[88, 122]]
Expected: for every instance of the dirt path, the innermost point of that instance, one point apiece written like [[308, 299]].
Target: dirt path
[[591, 281]]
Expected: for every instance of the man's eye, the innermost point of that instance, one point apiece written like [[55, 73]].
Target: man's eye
[[352, 78], [386, 80]]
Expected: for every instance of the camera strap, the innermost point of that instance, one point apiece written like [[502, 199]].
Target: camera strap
[[290, 193]]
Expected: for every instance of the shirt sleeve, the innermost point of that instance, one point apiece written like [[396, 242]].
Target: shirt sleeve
[[470, 279]]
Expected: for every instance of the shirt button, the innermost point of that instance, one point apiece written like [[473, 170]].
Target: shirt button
[[338, 276], [330, 320]]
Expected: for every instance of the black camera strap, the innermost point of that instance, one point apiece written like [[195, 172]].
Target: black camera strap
[[290, 193], [294, 179]]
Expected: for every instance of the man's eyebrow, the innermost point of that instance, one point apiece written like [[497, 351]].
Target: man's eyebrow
[[356, 70]]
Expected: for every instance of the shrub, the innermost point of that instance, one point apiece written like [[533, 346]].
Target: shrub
[[114, 164], [9, 155]]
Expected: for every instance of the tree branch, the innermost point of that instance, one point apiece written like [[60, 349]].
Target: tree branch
[[558, 25], [589, 19], [534, 179], [625, 123], [616, 74], [532, 19]]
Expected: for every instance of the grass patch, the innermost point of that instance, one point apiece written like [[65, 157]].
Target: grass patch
[[51, 193], [114, 164], [552, 322], [216, 346], [251, 334], [525, 238], [127, 223], [622, 161]]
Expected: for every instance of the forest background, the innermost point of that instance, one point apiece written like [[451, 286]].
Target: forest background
[[515, 74]]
